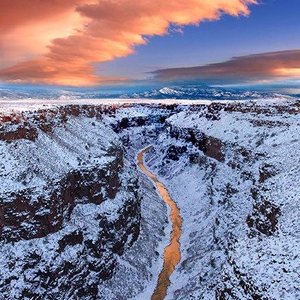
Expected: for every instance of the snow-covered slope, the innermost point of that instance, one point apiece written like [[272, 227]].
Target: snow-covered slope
[[69, 205], [78, 222], [234, 171]]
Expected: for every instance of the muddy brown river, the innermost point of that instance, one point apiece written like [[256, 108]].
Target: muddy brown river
[[172, 255]]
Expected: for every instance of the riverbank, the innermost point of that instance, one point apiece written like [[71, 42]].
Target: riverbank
[[172, 254]]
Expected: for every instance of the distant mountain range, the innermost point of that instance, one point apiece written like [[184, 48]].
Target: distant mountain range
[[167, 92]]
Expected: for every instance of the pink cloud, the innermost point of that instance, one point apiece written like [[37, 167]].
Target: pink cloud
[[90, 32], [264, 66]]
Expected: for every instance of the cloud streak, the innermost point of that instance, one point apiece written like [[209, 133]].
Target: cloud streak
[[59, 42], [280, 65]]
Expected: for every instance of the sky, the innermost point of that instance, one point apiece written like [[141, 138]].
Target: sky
[[94, 42]]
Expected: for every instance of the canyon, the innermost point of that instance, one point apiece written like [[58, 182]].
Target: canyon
[[78, 220]]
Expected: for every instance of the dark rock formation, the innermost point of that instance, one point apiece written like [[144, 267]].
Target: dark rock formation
[[174, 152], [34, 213], [210, 146], [71, 223], [21, 132], [264, 218], [266, 171]]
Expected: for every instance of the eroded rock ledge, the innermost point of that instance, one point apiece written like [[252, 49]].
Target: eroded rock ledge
[[69, 203]]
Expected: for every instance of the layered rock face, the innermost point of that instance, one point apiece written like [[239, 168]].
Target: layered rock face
[[237, 187], [233, 170], [73, 224], [69, 204]]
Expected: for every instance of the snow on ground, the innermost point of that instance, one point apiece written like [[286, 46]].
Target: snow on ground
[[241, 233], [222, 255], [216, 242], [67, 148], [34, 104]]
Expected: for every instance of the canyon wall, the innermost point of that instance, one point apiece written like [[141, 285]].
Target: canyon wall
[[69, 203], [78, 222], [233, 169]]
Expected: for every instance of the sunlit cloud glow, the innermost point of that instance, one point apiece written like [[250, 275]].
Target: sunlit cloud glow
[[58, 42], [282, 65]]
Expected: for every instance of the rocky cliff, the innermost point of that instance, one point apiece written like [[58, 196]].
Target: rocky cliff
[[69, 203], [78, 222], [233, 169]]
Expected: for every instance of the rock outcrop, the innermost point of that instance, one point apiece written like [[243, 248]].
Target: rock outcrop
[[233, 170], [73, 224], [69, 204]]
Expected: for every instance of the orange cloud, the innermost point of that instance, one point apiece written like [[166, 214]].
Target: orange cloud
[[281, 65], [58, 41]]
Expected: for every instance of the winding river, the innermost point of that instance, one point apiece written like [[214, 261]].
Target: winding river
[[172, 255]]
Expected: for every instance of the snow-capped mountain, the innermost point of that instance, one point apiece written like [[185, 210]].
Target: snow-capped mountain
[[191, 92]]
